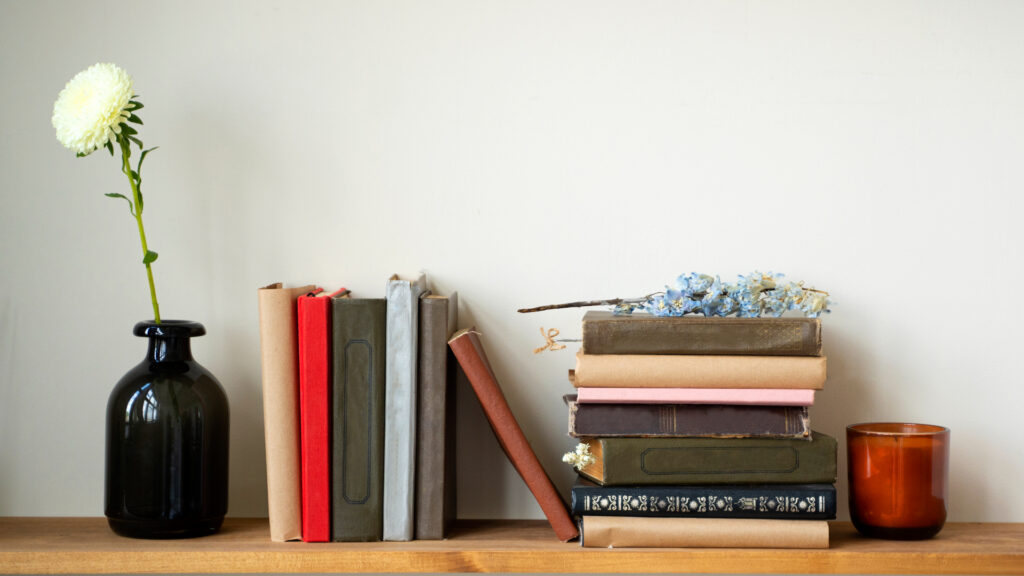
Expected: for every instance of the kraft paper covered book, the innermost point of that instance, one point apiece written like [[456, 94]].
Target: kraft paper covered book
[[638, 532], [655, 371], [470, 353], [638, 333], [400, 405], [280, 371]]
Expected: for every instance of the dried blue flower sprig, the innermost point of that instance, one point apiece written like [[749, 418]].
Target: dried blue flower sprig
[[751, 296]]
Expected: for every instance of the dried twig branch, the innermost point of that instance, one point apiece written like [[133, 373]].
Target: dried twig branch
[[584, 303]]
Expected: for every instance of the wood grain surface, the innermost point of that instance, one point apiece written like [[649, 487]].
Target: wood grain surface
[[87, 546]]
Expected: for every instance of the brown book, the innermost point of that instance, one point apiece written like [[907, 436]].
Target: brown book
[[654, 371], [470, 353], [435, 421], [279, 359], [694, 420], [640, 532], [608, 333]]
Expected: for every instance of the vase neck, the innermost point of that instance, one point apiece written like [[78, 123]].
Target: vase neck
[[163, 349]]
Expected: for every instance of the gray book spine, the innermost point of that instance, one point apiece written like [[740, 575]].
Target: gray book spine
[[400, 405], [435, 453], [357, 443]]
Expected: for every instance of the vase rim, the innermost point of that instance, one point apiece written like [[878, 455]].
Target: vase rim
[[169, 329]]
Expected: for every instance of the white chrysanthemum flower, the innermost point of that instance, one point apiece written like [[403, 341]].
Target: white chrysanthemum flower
[[580, 458], [90, 109]]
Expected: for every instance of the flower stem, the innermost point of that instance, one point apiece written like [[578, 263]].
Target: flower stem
[[137, 212]]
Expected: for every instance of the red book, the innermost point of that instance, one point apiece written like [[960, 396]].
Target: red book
[[470, 354], [314, 332]]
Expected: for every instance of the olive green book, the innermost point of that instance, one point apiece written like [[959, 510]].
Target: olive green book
[[357, 434], [608, 333], [649, 461]]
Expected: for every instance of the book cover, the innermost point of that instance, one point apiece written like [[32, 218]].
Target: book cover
[[314, 337], [734, 396], [435, 435], [640, 532], [775, 501], [654, 371], [699, 420], [357, 450], [280, 372], [400, 405], [638, 333], [471, 357], [646, 461]]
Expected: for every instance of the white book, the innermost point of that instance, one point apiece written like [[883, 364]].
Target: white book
[[400, 406]]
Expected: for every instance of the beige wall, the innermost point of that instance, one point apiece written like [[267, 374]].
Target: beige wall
[[522, 153]]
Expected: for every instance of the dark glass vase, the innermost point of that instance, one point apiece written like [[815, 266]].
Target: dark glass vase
[[167, 441]]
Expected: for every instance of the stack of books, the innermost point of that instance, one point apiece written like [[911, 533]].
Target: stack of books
[[358, 405], [699, 434]]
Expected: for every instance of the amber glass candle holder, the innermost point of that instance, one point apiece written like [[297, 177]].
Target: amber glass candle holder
[[899, 478]]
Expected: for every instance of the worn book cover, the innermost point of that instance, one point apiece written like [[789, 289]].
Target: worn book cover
[[314, 331], [400, 405], [608, 333], [280, 370], [641, 532], [707, 420], [357, 450], [655, 371], [735, 396], [435, 454], [646, 461], [776, 501], [471, 357]]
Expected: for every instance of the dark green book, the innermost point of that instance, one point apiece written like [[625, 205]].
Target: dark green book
[[647, 461], [357, 436]]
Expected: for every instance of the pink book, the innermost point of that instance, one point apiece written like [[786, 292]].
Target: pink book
[[756, 396]]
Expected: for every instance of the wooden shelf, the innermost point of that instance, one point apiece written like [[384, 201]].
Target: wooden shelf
[[87, 546]]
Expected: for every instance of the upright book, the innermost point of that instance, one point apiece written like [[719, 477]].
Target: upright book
[[470, 353], [774, 501], [357, 448], [400, 405], [706, 420], [646, 461], [435, 435], [608, 333], [314, 330], [280, 369]]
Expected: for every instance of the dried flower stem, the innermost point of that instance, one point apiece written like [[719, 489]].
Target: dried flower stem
[[584, 303]]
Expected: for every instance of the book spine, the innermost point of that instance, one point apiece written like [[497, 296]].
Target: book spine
[[652, 371], [639, 532], [606, 333], [732, 396], [280, 371], [400, 405], [357, 450], [470, 354], [435, 456], [708, 420], [646, 461], [805, 501], [314, 389]]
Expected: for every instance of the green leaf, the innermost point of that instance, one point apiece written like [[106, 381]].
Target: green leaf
[[136, 140], [113, 195], [143, 157], [135, 175], [134, 118], [80, 154], [128, 130], [110, 147], [150, 257]]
